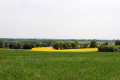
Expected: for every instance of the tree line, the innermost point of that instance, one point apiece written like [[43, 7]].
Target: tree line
[[110, 48], [73, 45], [28, 44], [105, 47], [22, 44]]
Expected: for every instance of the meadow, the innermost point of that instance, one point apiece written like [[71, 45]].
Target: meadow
[[38, 65]]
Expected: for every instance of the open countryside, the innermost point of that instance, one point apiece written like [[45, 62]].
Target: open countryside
[[35, 65], [59, 39], [65, 60]]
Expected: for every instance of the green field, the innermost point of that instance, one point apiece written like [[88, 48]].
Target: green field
[[28, 65]]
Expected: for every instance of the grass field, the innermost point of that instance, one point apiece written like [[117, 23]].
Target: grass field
[[35, 65]]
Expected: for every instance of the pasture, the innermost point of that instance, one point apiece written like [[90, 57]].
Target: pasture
[[36, 65]]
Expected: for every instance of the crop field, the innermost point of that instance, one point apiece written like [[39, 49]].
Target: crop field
[[36, 65], [65, 50]]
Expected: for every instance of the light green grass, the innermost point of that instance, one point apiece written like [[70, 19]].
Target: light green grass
[[28, 65], [79, 42]]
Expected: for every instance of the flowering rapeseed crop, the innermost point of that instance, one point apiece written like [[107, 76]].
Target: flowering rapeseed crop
[[65, 50]]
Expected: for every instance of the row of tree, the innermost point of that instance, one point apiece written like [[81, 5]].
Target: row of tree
[[110, 48], [22, 45], [28, 44], [73, 45]]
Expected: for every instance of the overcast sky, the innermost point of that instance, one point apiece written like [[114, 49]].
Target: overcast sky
[[60, 19]]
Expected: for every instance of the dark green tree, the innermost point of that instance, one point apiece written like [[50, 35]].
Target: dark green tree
[[61, 45], [11, 46], [17, 46], [74, 45], [93, 44], [7, 44], [38, 44], [117, 42], [56, 45], [32, 45], [44, 45], [1, 44], [106, 43], [27, 46], [67, 45]]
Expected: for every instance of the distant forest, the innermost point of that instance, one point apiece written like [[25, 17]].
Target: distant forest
[[84, 40]]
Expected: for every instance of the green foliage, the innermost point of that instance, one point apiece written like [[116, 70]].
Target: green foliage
[[78, 47], [117, 48], [67, 45], [16, 46], [38, 44], [48, 42], [74, 45], [117, 42], [7, 45], [1, 44], [76, 42], [106, 48], [56, 45], [11, 46], [93, 44], [84, 46], [27, 46], [61, 45], [20, 45], [109, 48], [106, 43], [23, 44], [44, 45], [33, 65]]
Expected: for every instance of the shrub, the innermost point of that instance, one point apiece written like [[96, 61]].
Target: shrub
[[78, 47], [107, 48]]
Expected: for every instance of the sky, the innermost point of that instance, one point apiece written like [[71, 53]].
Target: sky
[[60, 19]]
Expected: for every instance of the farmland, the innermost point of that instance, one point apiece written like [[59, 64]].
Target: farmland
[[65, 50], [38, 65]]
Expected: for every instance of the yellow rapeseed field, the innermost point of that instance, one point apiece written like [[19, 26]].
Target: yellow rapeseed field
[[51, 49], [65, 50]]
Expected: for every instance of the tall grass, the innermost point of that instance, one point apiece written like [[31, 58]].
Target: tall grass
[[28, 65]]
